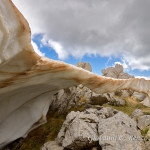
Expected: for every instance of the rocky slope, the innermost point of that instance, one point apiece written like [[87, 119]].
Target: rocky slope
[[27, 81], [101, 128], [77, 96]]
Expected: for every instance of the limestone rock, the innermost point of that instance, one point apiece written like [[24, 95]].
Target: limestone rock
[[84, 65], [116, 72], [113, 100], [52, 145], [139, 96], [112, 129], [137, 113], [98, 99], [27, 81], [146, 101], [120, 135], [79, 130], [143, 122]]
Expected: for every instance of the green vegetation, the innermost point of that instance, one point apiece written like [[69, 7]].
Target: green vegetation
[[146, 113], [50, 130], [130, 106], [44, 133], [144, 132]]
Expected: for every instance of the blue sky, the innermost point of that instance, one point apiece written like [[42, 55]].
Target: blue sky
[[97, 62], [101, 32]]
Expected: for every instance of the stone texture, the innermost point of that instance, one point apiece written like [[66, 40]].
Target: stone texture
[[143, 122], [52, 145], [113, 100], [79, 130], [116, 133], [139, 96], [113, 130], [27, 81], [146, 101], [84, 65], [116, 72], [137, 113]]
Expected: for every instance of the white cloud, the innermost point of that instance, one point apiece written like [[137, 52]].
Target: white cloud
[[36, 49], [124, 64], [56, 46], [101, 27]]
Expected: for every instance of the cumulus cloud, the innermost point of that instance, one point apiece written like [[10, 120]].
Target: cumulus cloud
[[124, 64], [117, 28], [36, 49]]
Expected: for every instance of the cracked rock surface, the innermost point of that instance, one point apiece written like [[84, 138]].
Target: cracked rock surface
[[111, 129]]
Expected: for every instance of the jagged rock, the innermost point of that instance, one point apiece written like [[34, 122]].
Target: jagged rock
[[52, 145], [27, 81], [84, 65], [146, 101], [79, 130], [139, 96], [83, 129], [143, 122], [137, 113], [116, 72], [98, 99], [117, 132], [124, 93], [113, 100]]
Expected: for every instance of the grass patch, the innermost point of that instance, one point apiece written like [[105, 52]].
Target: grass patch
[[44, 133], [144, 132], [130, 106], [146, 113]]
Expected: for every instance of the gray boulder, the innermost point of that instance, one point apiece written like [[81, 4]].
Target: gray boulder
[[137, 113], [139, 96], [84, 65], [113, 130], [79, 130], [143, 122], [119, 133], [52, 145], [113, 100], [116, 72], [146, 102]]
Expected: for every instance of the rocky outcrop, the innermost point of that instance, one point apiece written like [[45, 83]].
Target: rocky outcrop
[[52, 145], [139, 96], [113, 130], [137, 113], [27, 81], [84, 65], [116, 72], [143, 122]]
